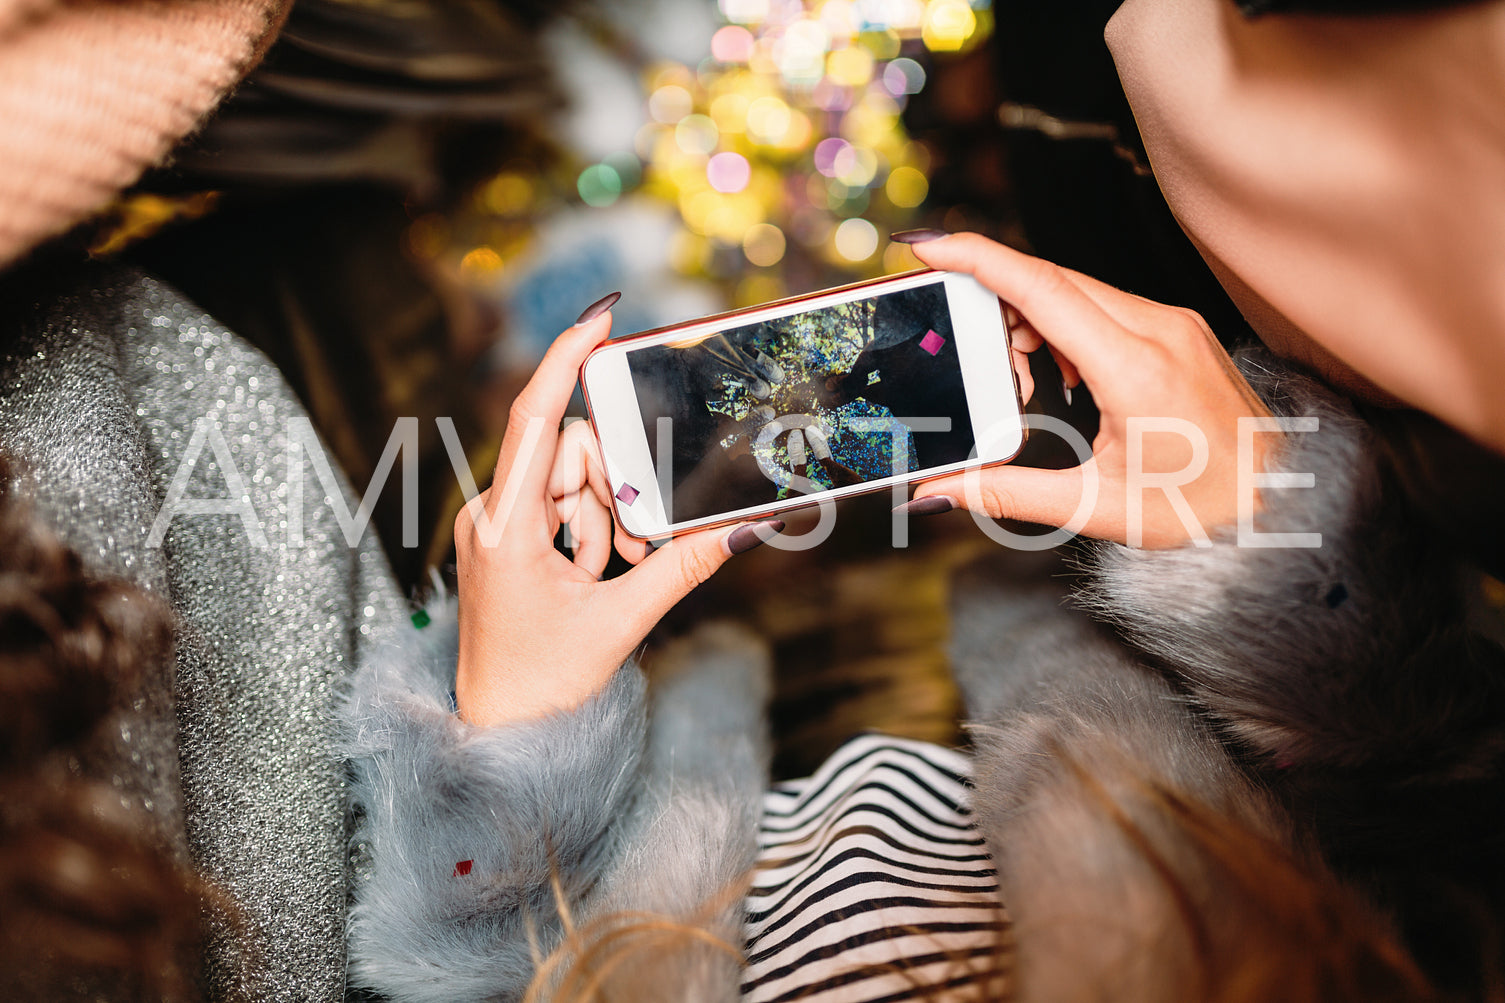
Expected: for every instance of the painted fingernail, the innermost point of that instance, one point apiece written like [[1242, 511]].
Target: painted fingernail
[[599, 307], [928, 505], [745, 538], [919, 236], [1066, 391]]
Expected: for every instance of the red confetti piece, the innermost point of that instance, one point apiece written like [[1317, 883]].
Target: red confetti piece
[[462, 868]]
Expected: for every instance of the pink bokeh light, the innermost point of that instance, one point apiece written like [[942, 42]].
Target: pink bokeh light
[[826, 152], [728, 172]]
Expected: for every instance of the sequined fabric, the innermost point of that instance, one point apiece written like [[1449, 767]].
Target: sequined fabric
[[229, 756]]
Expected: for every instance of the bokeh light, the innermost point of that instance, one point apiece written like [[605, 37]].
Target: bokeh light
[[769, 120], [481, 264], [696, 134], [732, 44], [906, 187], [764, 245], [781, 154], [599, 185], [856, 239], [744, 11], [728, 172], [903, 76], [826, 152], [949, 24], [670, 103]]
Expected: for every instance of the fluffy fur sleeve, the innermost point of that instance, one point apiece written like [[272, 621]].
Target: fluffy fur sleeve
[[1350, 654], [462, 832]]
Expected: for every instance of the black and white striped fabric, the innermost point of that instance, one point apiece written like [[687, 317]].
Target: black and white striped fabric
[[872, 884]]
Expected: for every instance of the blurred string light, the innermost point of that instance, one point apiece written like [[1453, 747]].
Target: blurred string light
[[788, 135], [784, 147]]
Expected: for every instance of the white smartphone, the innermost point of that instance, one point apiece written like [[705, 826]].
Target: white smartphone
[[747, 414]]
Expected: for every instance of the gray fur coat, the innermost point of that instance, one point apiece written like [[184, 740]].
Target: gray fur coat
[[1318, 699]]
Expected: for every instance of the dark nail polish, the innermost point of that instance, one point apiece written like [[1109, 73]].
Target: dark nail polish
[[599, 307], [928, 505], [917, 236], [746, 538]]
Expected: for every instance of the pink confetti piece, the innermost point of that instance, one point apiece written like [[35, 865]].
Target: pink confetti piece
[[627, 494], [462, 868], [932, 342]]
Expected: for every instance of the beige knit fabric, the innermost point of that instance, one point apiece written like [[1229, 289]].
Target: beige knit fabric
[[93, 92]]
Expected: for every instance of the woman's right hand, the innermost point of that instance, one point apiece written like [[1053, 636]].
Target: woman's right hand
[[1141, 360]]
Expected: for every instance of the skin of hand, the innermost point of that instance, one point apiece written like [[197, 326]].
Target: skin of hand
[[1141, 360], [540, 633]]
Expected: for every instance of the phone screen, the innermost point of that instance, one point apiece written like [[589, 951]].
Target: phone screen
[[803, 403]]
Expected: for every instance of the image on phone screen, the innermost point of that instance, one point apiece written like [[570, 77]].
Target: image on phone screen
[[814, 401]]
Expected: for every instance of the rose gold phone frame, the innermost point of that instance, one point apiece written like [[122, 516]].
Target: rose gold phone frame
[[805, 501]]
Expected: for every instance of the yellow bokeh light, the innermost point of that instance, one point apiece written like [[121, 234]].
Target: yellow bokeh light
[[948, 24], [856, 166], [882, 44], [696, 209], [763, 244], [801, 131], [730, 220], [768, 120], [670, 103], [900, 258], [850, 67], [507, 194], [696, 134], [481, 264], [906, 187], [873, 121], [729, 112]]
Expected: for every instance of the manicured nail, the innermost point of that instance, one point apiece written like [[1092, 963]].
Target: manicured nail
[[745, 538], [928, 505], [1066, 391], [917, 236], [599, 307]]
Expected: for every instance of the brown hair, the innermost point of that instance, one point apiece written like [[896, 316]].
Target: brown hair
[[1260, 921], [88, 903]]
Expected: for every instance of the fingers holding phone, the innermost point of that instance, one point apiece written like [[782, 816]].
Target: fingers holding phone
[[1169, 396], [539, 633]]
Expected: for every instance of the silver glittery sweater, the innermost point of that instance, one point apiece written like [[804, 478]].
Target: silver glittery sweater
[[228, 756]]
